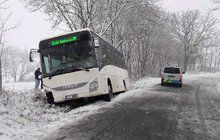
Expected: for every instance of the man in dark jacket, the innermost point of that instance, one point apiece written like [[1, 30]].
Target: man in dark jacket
[[38, 77]]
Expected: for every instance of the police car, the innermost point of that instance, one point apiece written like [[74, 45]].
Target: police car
[[172, 75]]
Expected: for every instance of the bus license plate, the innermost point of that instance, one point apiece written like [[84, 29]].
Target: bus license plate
[[73, 96]]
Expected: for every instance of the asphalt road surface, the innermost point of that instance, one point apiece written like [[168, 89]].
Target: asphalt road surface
[[161, 113]]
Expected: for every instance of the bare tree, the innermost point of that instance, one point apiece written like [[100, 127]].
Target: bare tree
[[12, 61], [216, 2], [147, 36], [209, 54], [3, 29], [25, 68], [16, 64], [192, 29], [115, 20]]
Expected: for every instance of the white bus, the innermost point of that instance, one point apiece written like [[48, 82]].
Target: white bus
[[80, 65]]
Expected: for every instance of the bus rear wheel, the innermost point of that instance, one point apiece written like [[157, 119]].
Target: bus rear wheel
[[109, 96], [125, 87]]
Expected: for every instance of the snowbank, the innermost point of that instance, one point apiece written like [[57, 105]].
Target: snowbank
[[22, 116], [146, 82], [201, 75], [19, 86], [205, 75]]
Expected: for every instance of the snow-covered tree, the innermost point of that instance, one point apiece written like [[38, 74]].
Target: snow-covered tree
[[16, 64], [147, 36], [217, 2], [192, 28], [3, 29]]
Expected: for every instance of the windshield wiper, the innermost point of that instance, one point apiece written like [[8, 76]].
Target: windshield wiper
[[76, 68], [53, 74], [85, 69]]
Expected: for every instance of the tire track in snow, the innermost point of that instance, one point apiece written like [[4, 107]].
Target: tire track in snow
[[213, 110], [211, 101], [201, 115], [217, 94]]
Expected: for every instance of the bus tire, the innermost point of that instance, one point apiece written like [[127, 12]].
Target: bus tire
[[125, 86], [109, 96], [50, 99]]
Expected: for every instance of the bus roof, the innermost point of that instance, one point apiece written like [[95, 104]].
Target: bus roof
[[76, 31], [172, 66]]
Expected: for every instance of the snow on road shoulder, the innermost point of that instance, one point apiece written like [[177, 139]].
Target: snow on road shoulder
[[138, 88], [24, 117], [204, 75], [19, 86], [146, 82], [200, 75]]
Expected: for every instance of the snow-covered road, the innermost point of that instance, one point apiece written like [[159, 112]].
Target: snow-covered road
[[24, 117], [155, 112], [147, 111]]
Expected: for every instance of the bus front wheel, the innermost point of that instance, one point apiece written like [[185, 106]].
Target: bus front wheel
[[50, 99]]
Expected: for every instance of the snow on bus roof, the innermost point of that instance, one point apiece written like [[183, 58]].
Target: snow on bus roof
[[76, 31]]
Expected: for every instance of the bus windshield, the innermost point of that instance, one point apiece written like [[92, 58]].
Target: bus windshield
[[76, 54]]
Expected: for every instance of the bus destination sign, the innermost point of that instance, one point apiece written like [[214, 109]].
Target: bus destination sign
[[64, 41]]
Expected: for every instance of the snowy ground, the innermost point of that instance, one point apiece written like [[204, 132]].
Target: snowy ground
[[24, 117], [19, 86]]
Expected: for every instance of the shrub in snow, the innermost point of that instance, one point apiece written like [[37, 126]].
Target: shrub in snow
[[25, 110]]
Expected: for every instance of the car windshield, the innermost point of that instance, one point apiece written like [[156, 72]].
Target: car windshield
[[172, 70]]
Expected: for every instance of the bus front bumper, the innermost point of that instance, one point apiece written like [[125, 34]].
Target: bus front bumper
[[77, 94]]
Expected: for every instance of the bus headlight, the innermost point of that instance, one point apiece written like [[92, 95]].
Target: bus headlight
[[93, 86]]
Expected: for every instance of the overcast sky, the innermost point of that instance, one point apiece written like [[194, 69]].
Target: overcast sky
[[178, 5], [34, 27]]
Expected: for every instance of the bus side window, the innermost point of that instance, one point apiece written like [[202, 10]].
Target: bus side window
[[99, 55], [105, 54], [46, 61], [96, 42]]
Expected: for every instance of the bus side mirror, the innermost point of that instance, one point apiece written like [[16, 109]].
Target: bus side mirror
[[96, 42], [31, 54]]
